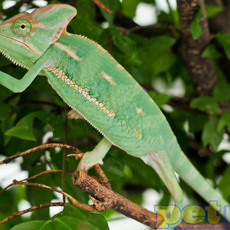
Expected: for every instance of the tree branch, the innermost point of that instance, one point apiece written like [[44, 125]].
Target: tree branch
[[202, 71], [112, 199], [120, 204]]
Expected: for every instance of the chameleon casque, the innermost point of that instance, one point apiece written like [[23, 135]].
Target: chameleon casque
[[94, 85]]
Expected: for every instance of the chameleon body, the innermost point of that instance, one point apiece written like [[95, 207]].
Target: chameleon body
[[94, 85]]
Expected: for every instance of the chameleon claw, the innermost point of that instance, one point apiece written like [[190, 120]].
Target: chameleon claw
[[101, 206], [87, 162], [77, 156]]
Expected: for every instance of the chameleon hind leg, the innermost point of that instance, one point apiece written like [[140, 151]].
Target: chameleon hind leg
[[164, 169], [95, 156]]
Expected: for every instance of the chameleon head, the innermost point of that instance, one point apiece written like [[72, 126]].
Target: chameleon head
[[25, 37]]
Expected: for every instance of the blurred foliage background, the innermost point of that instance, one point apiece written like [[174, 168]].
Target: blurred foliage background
[[182, 60]]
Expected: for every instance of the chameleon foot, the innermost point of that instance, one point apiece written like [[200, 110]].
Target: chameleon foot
[[101, 206], [77, 156], [88, 161], [95, 156]]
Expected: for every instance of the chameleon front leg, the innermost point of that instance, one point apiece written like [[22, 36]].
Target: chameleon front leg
[[164, 169], [95, 156], [18, 86]]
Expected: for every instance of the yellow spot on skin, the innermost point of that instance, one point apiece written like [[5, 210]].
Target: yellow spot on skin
[[139, 111], [83, 91], [108, 78], [138, 134], [69, 51]]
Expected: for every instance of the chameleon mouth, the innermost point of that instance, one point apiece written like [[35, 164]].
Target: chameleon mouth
[[12, 60], [21, 43]]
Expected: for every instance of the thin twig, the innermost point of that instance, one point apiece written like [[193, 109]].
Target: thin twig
[[37, 175], [75, 202], [46, 172], [40, 147], [105, 8], [33, 208]]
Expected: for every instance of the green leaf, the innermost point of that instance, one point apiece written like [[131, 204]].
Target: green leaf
[[24, 128], [72, 214], [69, 223], [224, 40], [211, 135], [138, 173], [113, 5], [6, 198], [113, 168], [206, 104], [34, 225], [198, 15], [124, 43], [211, 168], [32, 191], [211, 52], [222, 91], [163, 63], [129, 7], [196, 122], [5, 111], [159, 44], [152, 53], [160, 99], [224, 121], [196, 30], [224, 183], [4, 92], [212, 10]]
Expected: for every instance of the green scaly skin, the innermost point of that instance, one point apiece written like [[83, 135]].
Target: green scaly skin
[[94, 85]]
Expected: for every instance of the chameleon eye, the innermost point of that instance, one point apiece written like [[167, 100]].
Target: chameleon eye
[[22, 27]]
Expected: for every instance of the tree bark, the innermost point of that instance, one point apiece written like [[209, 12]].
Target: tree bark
[[202, 71]]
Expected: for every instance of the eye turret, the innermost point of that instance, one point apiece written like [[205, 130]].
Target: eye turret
[[22, 27]]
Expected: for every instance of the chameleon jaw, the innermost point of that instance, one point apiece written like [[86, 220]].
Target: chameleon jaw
[[30, 48], [13, 60]]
